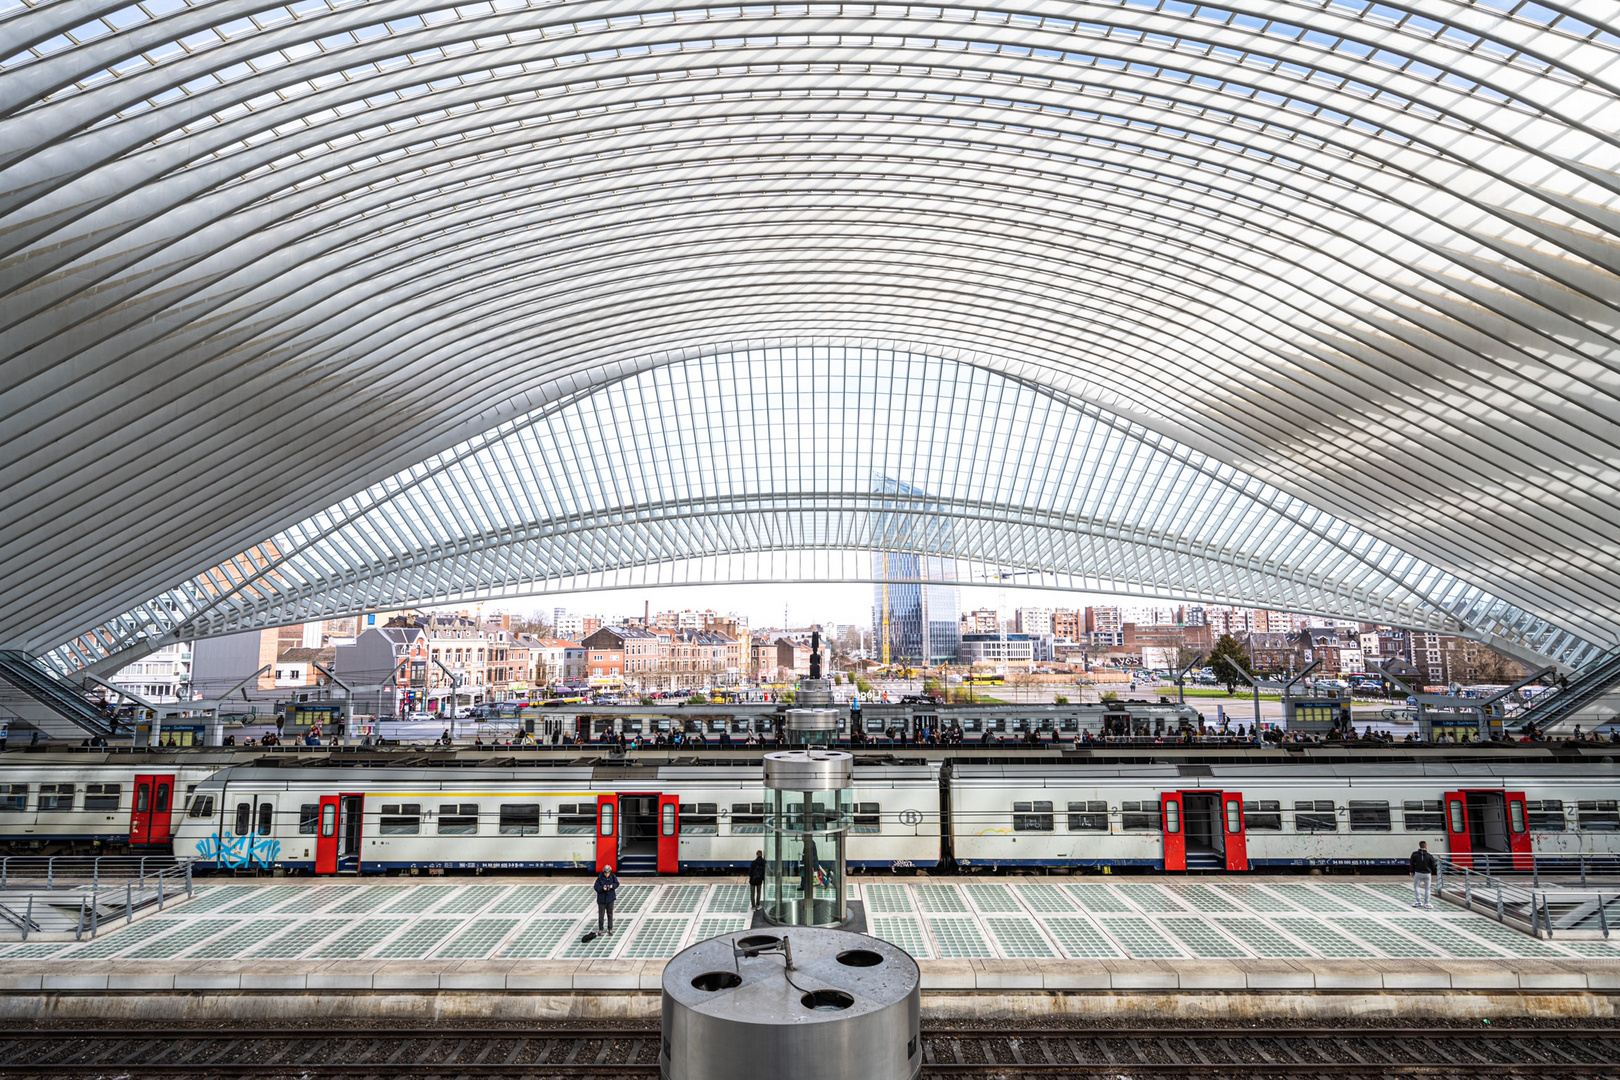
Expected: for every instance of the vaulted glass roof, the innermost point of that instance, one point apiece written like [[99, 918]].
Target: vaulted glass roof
[[259, 260]]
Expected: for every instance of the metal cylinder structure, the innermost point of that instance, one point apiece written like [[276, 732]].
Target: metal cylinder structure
[[849, 1006], [807, 812]]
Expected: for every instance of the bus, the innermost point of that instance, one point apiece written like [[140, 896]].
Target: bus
[[984, 680]]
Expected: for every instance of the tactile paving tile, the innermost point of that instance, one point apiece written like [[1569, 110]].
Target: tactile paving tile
[[1261, 938], [903, 931], [538, 939], [1200, 938], [367, 899], [1140, 938], [959, 938], [1508, 938], [180, 939], [479, 938], [1322, 940], [418, 898], [358, 940], [991, 897], [313, 899], [217, 896], [1098, 898], [729, 898], [1043, 898], [302, 937], [715, 925], [263, 900], [939, 899], [524, 900], [683, 899], [420, 938], [656, 939], [631, 898], [1443, 937], [1386, 939], [116, 941], [887, 899], [1018, 938], [1308, 899], [1205, 899], [1079, 937], [1254, 897], [471, 901], [1151, 898], [571, 900], [602, 946], [230, 945]]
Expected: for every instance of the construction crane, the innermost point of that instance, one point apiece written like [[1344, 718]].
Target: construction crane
[[885, 609]]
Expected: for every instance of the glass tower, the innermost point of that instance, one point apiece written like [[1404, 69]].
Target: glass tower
[[924, 603]]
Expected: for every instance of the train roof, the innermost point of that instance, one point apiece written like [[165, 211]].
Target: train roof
[[1505, 770]]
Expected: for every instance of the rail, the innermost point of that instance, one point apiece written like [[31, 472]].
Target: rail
[[1543, 895], [80, 895]]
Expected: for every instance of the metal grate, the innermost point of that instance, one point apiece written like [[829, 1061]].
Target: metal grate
[[888, 898]]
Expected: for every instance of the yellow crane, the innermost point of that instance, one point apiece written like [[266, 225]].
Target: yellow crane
[[885, 609]]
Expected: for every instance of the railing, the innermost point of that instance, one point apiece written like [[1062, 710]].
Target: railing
[[1574, 895], [75, 894]]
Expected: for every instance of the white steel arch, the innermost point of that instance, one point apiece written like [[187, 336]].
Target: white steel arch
[[257, 257]]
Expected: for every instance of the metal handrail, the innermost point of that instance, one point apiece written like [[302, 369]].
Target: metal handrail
[[1525, 891], [100, 883]]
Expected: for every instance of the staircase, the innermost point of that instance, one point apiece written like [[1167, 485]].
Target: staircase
[[1205, 860], [638, 865], [52, 691], [1581, 689]]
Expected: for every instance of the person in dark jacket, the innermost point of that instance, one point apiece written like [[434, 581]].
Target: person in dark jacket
[[607, 889], [756, 880], [1423, 869]]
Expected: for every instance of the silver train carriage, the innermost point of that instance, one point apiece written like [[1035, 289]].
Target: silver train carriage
[[59, 804]]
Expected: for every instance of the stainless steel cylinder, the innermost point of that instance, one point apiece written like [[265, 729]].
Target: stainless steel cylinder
[[849, 1008], [808, 770]]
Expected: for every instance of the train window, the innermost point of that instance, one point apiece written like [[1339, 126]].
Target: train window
[[328, 820], [1262, 815], [1140, 816], [576, 819], [267, 818], [55, 797], [201, 806], [1423, 815], [244, 818], [667, 817], [1516, 815], [1546, 815], [1032, 817], [1369, 816], [1600, 816], [1317, 816], [747, 818], [402, 819], [1088, 817], [1455, 808], [13, 798], [865, 817], [160, 801], [458, 819], [103, 797], [308, 814], [700, 819], [520, 819]]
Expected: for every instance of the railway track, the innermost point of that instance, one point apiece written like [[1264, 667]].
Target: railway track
[[611, 1054]]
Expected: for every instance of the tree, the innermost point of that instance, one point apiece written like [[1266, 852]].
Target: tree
[[1230, 661]]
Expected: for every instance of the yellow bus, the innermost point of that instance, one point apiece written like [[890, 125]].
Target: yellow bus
[[984, 680]]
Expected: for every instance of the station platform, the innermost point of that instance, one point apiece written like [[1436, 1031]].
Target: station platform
[[485, 946]]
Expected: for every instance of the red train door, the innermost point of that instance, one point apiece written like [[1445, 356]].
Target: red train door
[[1175, 840], [1459, 843], [151, 814], [1519, 831], [607, 832], [1231, 820], [327, 836], [669, 834]]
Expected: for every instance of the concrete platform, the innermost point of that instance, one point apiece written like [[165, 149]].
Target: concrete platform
[[472, 947]]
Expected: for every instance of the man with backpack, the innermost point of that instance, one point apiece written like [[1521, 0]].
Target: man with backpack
[[1423, 870]]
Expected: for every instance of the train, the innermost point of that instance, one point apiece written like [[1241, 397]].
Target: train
[[957, 815]]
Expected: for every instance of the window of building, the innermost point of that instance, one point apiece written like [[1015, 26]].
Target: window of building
[[1088, 817], [13, 798], [55, 797], [1140, 816], [1315, 816], [102, 797], [700, 819], [1262, 815], [520, 819], [1601, 815], [1423, 815], [458, 819], [747, 818], [404, 819], [202, 806], [308, 814], [575, 819], [1367, 815], [1546, 815]]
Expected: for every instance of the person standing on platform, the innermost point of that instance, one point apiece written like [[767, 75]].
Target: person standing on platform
[[1423, 868], [756, 880], [607, 888]]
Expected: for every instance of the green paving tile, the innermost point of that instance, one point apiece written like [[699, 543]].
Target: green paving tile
[[1043, 898], [1368, 899], [1140, 938], [177, 941], [1506, 937], [538, 939], [1401, 893], [1609, 950], [420, 938], [1261, 938], [888, 899], [903, 931], [418, 898], [36, 950], [1205, 899], [1442, 936], [683, 899], [571, 900], [216, 897], [939, 899], [1321, 939], [1200, 938], [368, 899], [1098, 898], [601, 946], [631, 898], [715, 925], [1255, 898], [302, 937], [480, 938], [730, 898], [1079, 937], [1018, 938], [263, 900], [1151, 898], [471, 901], [988, 897], [230, 945], [313, 899], [1308, 899], [656, 939], [851, 891], [959, 938], [524, 900], [358, 940], [125, 937], [1382, 937]]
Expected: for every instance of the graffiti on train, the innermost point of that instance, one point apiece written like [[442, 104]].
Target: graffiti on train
[[239, 851]]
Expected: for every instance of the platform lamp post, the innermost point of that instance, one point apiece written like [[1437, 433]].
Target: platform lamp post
[[1181, 678], [455, 693]]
